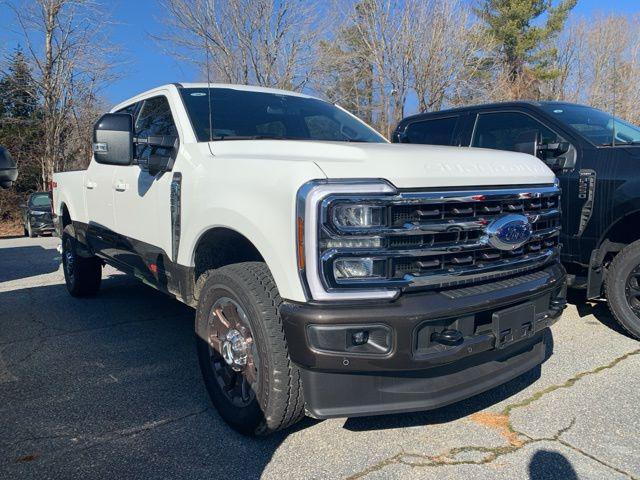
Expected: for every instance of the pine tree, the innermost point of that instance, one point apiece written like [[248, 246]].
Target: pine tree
[[521, 30], [20, 121], [17, 89]]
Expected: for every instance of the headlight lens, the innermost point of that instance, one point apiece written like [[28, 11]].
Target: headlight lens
[[358, 216], [358, 268], [37, 213]]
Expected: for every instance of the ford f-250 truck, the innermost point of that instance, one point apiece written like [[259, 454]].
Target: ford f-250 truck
[[332, 273]]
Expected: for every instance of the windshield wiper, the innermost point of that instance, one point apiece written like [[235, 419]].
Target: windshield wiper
[[250, 137]]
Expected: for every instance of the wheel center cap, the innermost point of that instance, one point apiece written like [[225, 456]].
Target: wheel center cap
[[234, 349]]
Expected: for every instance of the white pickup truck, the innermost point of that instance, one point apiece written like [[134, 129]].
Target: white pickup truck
[[332, 273]]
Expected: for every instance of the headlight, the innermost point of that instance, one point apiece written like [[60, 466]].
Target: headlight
[[347, 216], [38, 213], [340, 251]]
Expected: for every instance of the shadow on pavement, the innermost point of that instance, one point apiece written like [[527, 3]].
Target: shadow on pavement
[[109, 387], [547, 465], [28, 261], [598, 308]]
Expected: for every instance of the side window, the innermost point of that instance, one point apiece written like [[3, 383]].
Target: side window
[[502, 131], [129, 109], [154, 119], [438, 131]]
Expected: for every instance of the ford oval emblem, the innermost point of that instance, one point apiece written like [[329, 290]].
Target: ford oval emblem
[[508, 232]]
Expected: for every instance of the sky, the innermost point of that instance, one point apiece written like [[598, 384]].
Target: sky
[[148, 65]]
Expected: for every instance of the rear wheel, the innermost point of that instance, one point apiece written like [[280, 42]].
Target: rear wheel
[[243, 352], [82, 274], [622, 287]]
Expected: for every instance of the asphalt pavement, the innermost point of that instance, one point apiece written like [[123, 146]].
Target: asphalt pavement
[[109, 388]]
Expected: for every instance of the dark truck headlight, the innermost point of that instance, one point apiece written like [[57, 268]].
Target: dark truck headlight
[[338, 239]]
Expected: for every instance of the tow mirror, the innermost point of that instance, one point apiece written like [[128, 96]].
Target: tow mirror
[[8, 169], [113, 139]]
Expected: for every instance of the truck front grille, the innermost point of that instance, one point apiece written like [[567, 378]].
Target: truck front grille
[[436, 239]]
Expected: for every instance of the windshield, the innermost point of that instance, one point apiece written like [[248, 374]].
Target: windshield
[[595, 124], [40, 200], [242, 114]]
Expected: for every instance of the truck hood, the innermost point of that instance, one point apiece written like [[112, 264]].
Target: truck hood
[[404, 165]]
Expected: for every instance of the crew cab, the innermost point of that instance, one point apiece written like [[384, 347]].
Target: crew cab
[[332, 272], [595, 157]]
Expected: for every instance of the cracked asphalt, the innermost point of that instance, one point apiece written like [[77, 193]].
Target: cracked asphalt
[[109, 387]]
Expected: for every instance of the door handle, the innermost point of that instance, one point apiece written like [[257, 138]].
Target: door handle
[[120, 187], [91, 185]]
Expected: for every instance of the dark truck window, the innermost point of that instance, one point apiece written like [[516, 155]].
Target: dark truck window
[[503, 130], [154, 119], [437, 131], [594, 124], [244, 114]]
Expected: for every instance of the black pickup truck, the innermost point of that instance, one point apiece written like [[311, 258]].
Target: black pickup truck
[[595, 156]]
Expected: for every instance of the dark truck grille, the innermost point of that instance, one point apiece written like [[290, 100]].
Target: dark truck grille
[[442, 238]]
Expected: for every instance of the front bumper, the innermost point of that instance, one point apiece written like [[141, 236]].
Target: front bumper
[[41, 224], [404, 366]]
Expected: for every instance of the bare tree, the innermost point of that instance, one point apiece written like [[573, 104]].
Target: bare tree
[[381, 32], [599, 63], [263, 42], [445, 59], [71, 54]]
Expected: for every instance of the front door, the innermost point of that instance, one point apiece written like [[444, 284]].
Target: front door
[[142, 200]]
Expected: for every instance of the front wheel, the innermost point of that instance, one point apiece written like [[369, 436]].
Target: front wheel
[[82, 274], [622, 286], [243, 352]]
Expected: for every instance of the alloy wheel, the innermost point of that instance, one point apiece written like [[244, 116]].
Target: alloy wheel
[[232, 352]]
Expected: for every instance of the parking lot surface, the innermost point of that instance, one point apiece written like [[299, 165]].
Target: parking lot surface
[[109, 387]]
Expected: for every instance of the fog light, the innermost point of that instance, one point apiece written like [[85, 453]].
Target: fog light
[[359, 338], [354, 268]]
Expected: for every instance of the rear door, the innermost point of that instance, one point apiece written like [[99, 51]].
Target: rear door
[[99, 199]]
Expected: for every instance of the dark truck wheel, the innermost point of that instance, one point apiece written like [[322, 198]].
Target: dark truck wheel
[[81, 274], [622, 287], [243, 352]]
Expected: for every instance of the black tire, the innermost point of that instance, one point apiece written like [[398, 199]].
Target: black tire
[[82, 275], [278, 400], [621, 283], [26, 232]]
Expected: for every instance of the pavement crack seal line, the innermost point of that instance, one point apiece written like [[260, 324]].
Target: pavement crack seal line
[[500, 421]]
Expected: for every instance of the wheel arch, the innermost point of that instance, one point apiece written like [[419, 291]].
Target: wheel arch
[[219, 246]]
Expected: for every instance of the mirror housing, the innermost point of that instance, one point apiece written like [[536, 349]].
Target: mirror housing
[[8, 169], [113, 139], [558, 155], [156, 162]]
